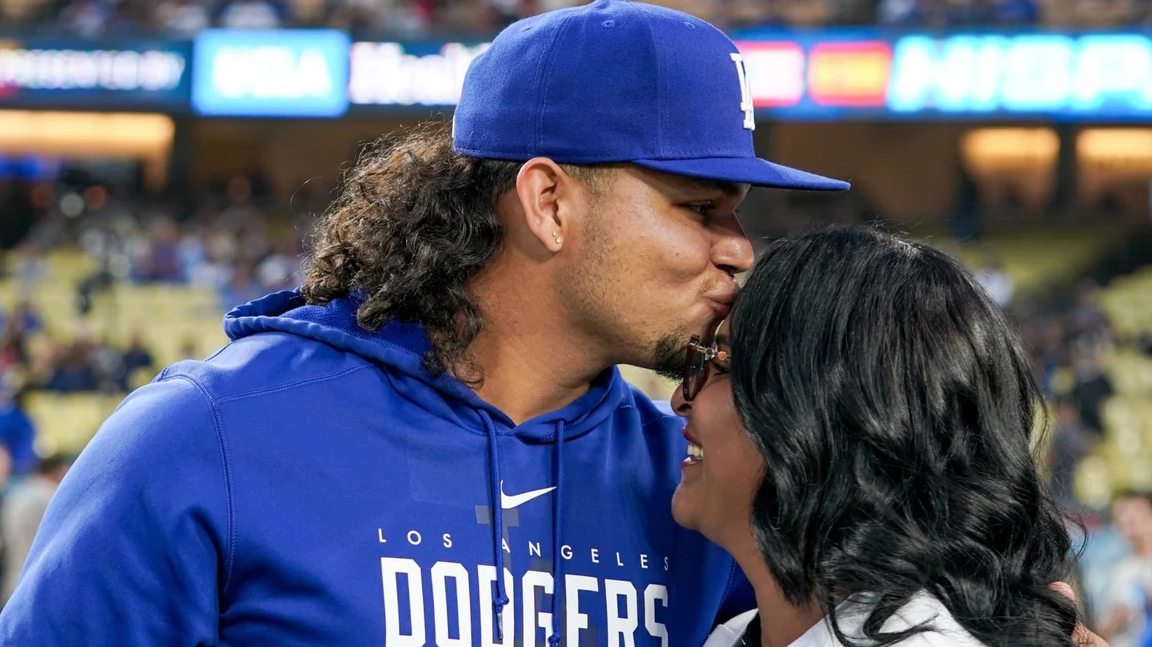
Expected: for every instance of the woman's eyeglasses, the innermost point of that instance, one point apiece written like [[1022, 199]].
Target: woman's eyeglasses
[[698, 363]]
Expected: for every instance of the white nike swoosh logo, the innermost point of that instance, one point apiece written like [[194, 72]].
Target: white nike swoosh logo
[[509, 502]]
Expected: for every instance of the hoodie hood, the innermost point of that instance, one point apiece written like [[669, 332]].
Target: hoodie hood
[[400, 347]]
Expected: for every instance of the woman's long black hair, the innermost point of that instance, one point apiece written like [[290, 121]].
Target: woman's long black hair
[[894, 407]]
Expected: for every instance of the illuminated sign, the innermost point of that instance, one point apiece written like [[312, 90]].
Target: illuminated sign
[[49, 74], [271, 73], [793, 75], [775, 72], [852, 74], [1097, 76], [389, 74], [849, 74]]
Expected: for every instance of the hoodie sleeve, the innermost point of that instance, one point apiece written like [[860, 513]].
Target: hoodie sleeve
[[134, 547]]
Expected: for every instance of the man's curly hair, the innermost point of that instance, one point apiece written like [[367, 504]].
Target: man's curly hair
[[412, 224]]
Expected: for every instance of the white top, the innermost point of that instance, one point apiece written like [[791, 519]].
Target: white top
[[852, 613]]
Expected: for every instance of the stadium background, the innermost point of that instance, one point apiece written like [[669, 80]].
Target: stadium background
[[161, 162]]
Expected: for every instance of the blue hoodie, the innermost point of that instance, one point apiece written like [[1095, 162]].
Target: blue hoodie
[[311, 484]]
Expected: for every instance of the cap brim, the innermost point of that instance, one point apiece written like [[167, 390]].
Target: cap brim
[[747, 170]]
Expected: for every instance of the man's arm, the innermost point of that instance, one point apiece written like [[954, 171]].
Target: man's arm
[[135, 545]]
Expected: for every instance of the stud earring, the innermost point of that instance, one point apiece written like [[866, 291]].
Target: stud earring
[[558, 238]]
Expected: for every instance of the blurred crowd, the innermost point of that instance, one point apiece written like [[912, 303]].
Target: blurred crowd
[[1068, 335], [223, 243], [416, 18]]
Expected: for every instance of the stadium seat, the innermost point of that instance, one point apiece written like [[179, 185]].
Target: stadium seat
[[66, 422]]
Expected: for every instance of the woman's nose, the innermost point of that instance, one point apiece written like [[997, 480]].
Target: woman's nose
[[681, 406]]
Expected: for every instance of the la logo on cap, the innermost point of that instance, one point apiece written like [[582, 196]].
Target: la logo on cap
[[745, 93]]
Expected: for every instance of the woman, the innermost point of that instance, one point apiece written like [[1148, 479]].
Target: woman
[[866, 460]]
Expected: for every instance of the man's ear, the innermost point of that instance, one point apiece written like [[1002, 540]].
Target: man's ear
[[540, 187]]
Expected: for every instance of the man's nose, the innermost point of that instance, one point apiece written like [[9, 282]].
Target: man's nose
[[733, 254]]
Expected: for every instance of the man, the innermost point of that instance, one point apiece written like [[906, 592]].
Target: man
[[24, 507], [1129, 595], [17, 433], [1071, 441], [375, 459]]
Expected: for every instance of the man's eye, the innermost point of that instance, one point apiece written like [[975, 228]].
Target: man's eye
[[702, 208]]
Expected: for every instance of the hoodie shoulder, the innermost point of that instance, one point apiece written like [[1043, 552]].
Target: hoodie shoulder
[[266, 362], [657, 414]]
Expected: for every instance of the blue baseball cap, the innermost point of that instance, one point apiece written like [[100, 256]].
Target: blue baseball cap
[[618, 81]]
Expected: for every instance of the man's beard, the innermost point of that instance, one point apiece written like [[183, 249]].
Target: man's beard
[[668, 360]]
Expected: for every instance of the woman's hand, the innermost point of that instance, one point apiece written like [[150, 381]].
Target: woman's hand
[[1081, 635]]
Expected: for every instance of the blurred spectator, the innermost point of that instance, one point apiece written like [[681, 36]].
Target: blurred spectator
[[17, 432], [183, 17], [959, 13], [241, 209], [241, 288], [280, 270], [25, 316], [129, 17], [249, 14], [1087, 318], [1092, 387], [30, 266], [24, 508], [1123, 620], [19, 209], [754, 13], [159, 256], [13, 346], [136, 358], [1014, 13], [1071, 442], [1103, 13], [75, 369], [902, 13], [311, 13], [86, 18], [996, 282]]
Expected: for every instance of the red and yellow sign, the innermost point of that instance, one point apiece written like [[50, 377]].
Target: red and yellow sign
[[849, 74]]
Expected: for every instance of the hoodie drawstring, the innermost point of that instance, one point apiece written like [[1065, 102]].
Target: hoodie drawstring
[[499, 597], [557, 558]]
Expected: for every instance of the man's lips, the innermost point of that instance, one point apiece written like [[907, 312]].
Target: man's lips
[[722, 302], [721, 308]]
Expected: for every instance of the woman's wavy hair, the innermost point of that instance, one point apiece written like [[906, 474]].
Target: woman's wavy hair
[[894, 408], [412, 224]]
